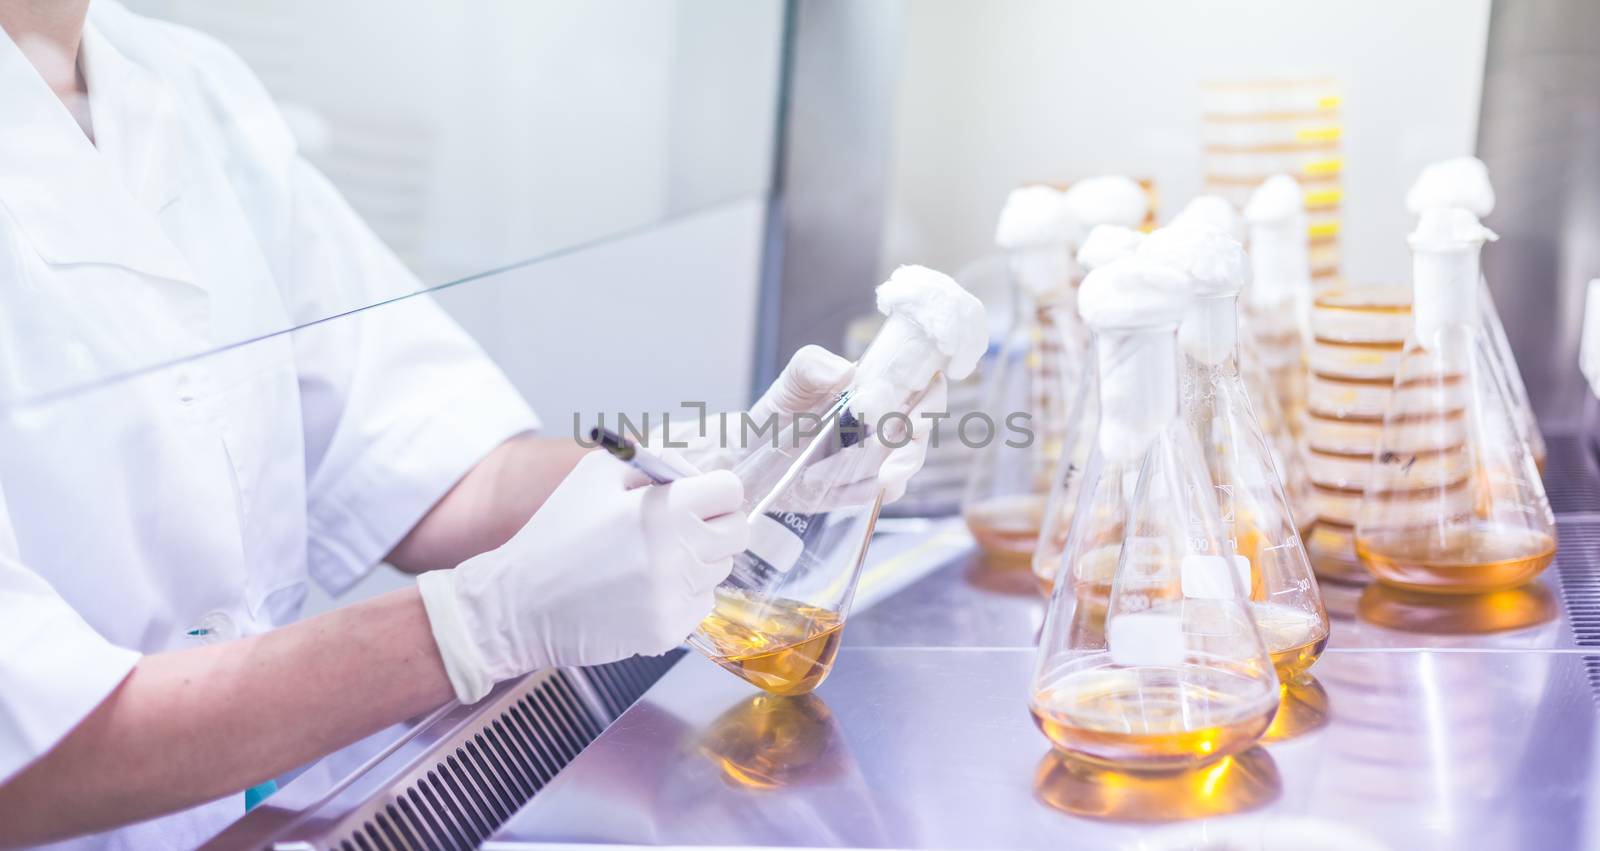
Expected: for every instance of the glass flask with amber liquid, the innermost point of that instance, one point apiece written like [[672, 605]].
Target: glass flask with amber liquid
[[1453, 501], [812, 496], [1252, 503], [1030, 382], [1155, 664]]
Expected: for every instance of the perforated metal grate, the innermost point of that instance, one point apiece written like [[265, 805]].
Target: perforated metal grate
[[621, 683], [1591, 669], [1578, 566], [477, 786], [1571, 478]]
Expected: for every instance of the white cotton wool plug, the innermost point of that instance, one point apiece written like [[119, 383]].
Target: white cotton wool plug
[[1036, 215], [1444, 267], [1133, 304], [1133, 292], [1213, 261], [1107, 243], [1037, 230], [1212, 210], [1276, 199], [1280, 266], [1457, 182], [1215, 265], [933, 326], [1109, 199]]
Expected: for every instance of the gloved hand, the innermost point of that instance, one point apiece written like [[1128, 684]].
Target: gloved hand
[[811, 380], [610, 566]]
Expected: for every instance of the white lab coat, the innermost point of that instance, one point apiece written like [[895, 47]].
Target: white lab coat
[[207, 493]]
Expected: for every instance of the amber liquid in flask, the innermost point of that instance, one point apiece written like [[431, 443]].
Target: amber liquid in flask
[[1294, 637], [1149, 718], [782, 646], [1469, 561], [1167, 671], [1469, 516], [1007, 528]]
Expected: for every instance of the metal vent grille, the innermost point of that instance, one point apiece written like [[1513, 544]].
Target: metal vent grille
[[1578, 565], [476, 785], [1570, 477], [619, 684], [1591, 669]]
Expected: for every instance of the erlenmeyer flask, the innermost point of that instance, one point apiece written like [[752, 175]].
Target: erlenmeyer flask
[[1156, 663], [1464, 182], [1277, 305], [1104, 244], [1507, 362], [812, 496], [1252, 505], [1453, 500], [1032, 377], [1288, 452]]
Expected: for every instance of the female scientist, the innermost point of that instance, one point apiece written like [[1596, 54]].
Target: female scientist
[[157, 535]]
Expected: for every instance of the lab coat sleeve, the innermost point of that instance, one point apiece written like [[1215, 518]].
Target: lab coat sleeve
[[398, 401], [54, 668]]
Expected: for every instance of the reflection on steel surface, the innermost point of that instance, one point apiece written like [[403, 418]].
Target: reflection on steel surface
[[960, 604], [1232, 784], [1457, 614], [1421, 749], [1302, 709], [768, 742]]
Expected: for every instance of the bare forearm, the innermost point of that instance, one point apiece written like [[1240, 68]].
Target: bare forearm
[[190, 726], [489, 504]]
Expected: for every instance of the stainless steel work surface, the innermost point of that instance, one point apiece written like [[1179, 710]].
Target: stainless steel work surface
[[963, 603], [906, 747]]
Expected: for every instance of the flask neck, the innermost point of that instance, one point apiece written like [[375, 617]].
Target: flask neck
[[898, 363], [1210, 331], [1280, 264], [1138, 370], [1445, 285], [1041, 275]]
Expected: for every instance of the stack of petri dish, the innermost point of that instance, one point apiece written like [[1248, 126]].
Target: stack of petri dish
[[1253, 129], [1358, 334]]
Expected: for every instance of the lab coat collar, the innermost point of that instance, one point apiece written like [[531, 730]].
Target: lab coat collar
[[77, 203]]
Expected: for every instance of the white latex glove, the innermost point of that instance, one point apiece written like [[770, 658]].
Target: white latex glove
[[894, 454], [811, 380], [607, 568]]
